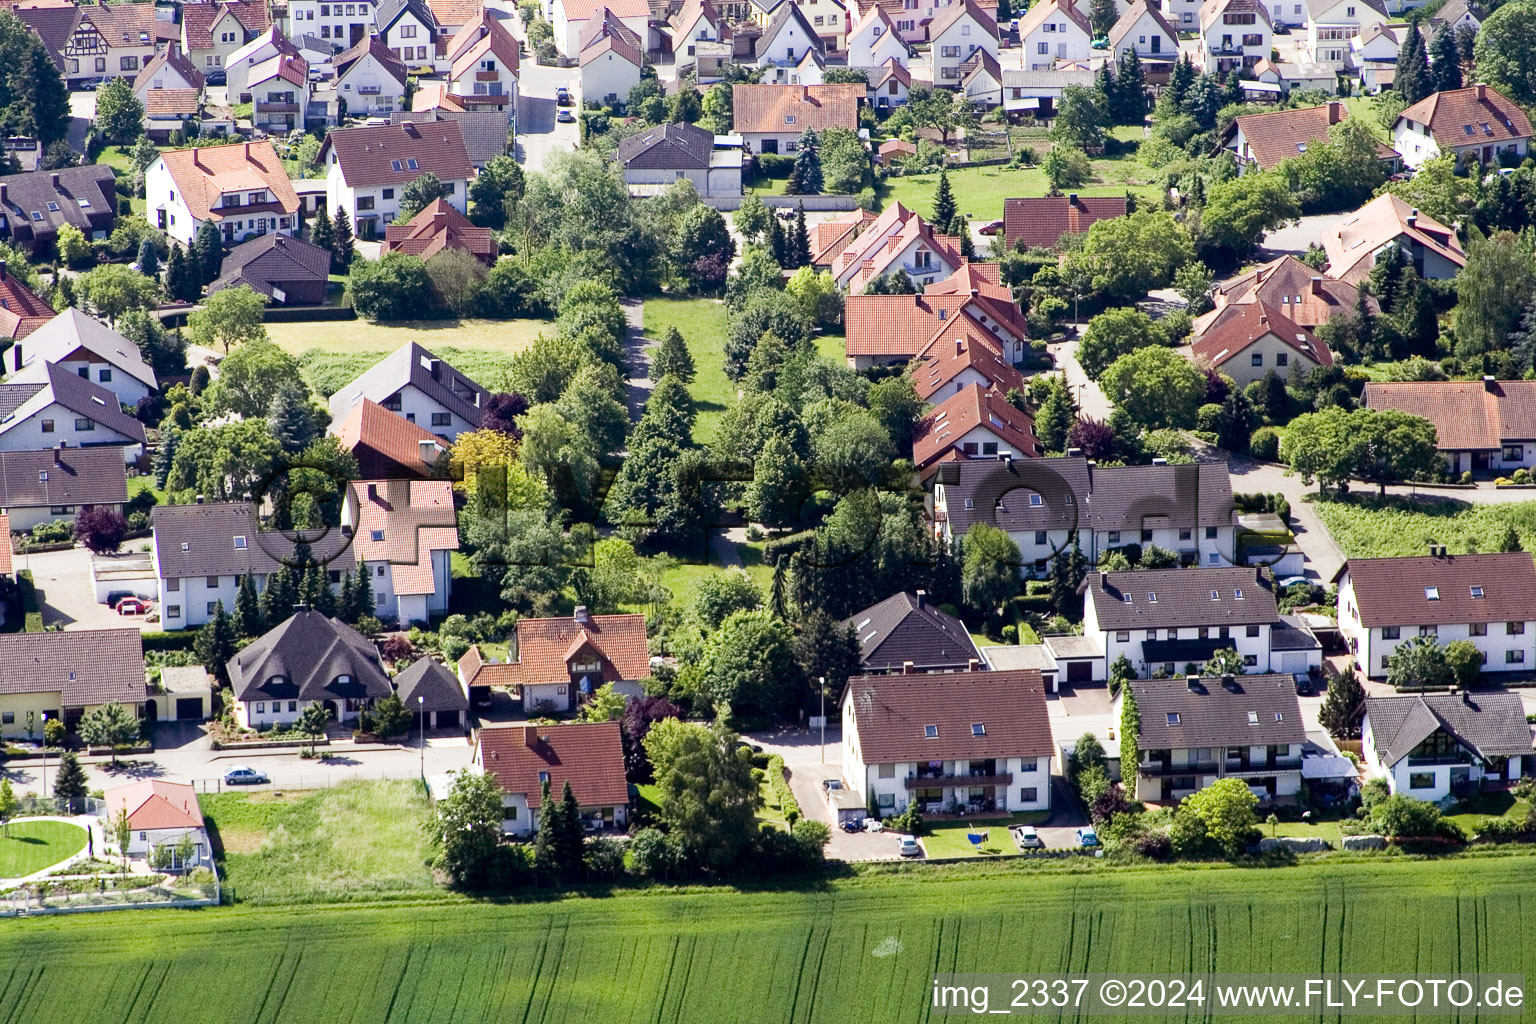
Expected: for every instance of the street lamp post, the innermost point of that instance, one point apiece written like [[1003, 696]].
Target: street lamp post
[[823, 688], [421, 724]]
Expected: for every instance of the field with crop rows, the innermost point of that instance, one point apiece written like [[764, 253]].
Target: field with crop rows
[[851, 951], [1371, 527]]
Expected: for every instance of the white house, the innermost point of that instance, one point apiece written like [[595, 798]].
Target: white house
[[169, 70], [409, 30], [1481, 426], [341, 25], [483, 65], [571, 17], [874, 40], [237, 66], [211, 33], [367, 168], [1355, 244], [612, 58], [280, 92], [1377, 46], [889, 84], [370, 79], [1142, 29], [522, 759], [162, 815], [1489, 599], [403, 533], [55, 406], [1234, 34], [771, 118], [85, 346], [415, 384], [967, 742], [1476, 123], [307, 659], [1332, 24], [659, 156], [53, 484], [1433, 745], [242, 188], [1054, 30], [1194, 731], [956, 35], [786, 40], [562, 661]]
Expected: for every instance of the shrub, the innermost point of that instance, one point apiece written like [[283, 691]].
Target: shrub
[[778, 785], [1154, 845], [1500, 830], [1466, 476], [604, 859], [1265, 444], [1520, 476]]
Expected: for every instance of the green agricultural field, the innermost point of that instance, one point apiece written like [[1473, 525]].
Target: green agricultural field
[[1372, 527], [362, 840], [29, 846], [860, 950]]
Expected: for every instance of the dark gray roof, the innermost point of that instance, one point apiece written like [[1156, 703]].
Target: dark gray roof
[[309, 657], [68, 476], [431, 679], [273, 259], [1292, 634], [78, 395], [668, 147], [1182, 597], [484, 131], [906, 627], [776, 24], [70, 331], [13, 396], [410, 364], [1004, 494], [1256, 710], [1489, 724], [65, 188], [86, 667], [1433, 590], [206, 540], [389, 11], [1146, 497]]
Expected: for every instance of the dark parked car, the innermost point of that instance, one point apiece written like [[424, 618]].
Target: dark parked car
[[216, 78], [562, 97]]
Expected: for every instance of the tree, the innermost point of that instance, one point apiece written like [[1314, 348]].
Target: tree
[[671, 356], [1226, 808], [110, 725], [114, 289], [805, 177], [1419, 662], [1156, 387], [313, 720], [389, 717], [498, 186], [753, 219], [944, 111], [1066, 167], [1115, 333], [342, 249], [293, 418], [779, 485], [119, 114], [1102, 16], [1413, 80], [606, 705], [708, 796], [234, 315], [32, 93], [1081, 117], [1505, 52], [1128, 104], [704, 248], [797, 247], [149, 259], [989, 573], [418, 195], [395, 287], [248, 621], [1492, 291], [749, 666], [1125, 257], [640, 714], [208, 249], [1193, 283], [320, 232], [1446, 69], [215, 643], [1240, 210], [122, 833], [1224, 662], [827, 649], [70, 784], [944, 208], [8, 804], [1465, 660], [281, 594], [466, 827], [720, 595], [101, 528], [182, 280], [1130, 724]]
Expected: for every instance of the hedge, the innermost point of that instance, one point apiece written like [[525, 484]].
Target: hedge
[[31, 610], [785, 546], [778, 784], [181, 640]]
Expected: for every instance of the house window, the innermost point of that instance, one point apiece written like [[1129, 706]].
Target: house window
[[1429, 630], [1253, 631], [365, 202], [1514, 629], [1123, 636], [1385, 660], [83, 423], [173, 611], [1029, 794], [389, 193], [1114, 536], [1283, 359], [1250, 660], [1421, 780], [1513, 453], [213, 607], [886, 800], [407, 31], [173, 585], [1391, 632], [47, 426], [213, 581], [1039, 536], [1514, 657], [1477, 629], [442, 419], [887, 771], [930, 732], [128, 63], [8, 718], [261, 707], [1029, 764], [293, 705]]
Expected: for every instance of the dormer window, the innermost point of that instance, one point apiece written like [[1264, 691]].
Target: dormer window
[[276, 681], [375, 534], [1476, 591], [1173, 718], [1036, 501], [930, 732], [1253, 718], [343, 680], [239, 543], [1127, 599], [1152, 597]]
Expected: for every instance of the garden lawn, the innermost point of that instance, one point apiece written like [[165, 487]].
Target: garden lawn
[[328, 372], [29, 846], [701, 322], [361, 840], [980, 191], [860, 949], [949, 838], [1372, 527], [1470, 814], [1328, 831], [503, 337]]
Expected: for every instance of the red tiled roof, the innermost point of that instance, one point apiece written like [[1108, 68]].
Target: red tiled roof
[[373, 427], [901, 325], [198, 19], [1466, 414], [436, 227], [589, 756], [948, 16], [764, 108], [485, 34], [7, 553], [21, 310], [1239, 326], [1281, 134], [1476, 115], [581, 10], [156, 804], [1352, 246], [411, 519], [1301, 293], [963, 344], [455, 12], [203, 174], [945, 426], [167, 102], [1042, 220], [542, 645]]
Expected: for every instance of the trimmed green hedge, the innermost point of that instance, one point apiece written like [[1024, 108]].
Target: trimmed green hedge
[[778, 784], [182, 640], [30, 608]]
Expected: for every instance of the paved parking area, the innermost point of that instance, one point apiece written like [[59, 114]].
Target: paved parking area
[[805, 781], [66, 593]]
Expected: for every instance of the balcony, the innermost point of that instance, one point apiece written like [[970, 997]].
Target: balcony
[[369, 90], [1279, 764], [1157, 769], [957, 781], [487, 76], [1437, 759]]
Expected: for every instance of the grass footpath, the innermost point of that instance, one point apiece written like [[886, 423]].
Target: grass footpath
[[864, 949], [1366, 526], [361, 840], [29, 846]]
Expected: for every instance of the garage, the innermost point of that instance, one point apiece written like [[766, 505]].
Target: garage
[[1079, 671], [189, 709], [433, 694], [1293, 662], [447, 719]]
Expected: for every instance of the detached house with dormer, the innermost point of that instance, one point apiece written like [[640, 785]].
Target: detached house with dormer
[[403, 533], [82, 345], [242, 188], [413, 383], [368, 167], [1054, 30], [1433, 745], [523, 758], [370, 79], [308, 659], [1476, 123], [1195, 730], [964, 743], [1489, 599], [557, 662]]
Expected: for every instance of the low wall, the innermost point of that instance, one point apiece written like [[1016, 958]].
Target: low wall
[[812, 203]]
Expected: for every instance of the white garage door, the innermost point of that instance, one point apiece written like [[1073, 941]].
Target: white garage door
[[1293, 662]]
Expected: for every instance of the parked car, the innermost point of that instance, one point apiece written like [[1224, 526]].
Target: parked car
[[992, 227], [245, 775], [132, 606], [1027, 838], [1291, 581], [216, 78], [1303, 684], [565, 117], [1087, 838], [909, 847], [562, 97]]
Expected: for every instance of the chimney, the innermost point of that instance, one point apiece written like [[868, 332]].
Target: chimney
[[1264, 319], [1481, 91], [1335, 112], [427, 450], [373, 492], [58, 455], [194, 157], [300, 607], [1071, 198], [1413, 217], [1229, 683], [1074, 453], [906, 668], [1159, 462], [16, 356], [922, 598], [247, 150], [530, 735], [580, 615], [411, 129], [973, 665], [2, 270], [4, 188], [1490, 384], [1466, 697], [1317, 286], [53, 179], [1192, 683], [959, 346]]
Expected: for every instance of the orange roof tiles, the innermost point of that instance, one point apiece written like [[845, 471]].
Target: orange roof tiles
[[156, 804], [589, 756], [963, 344], [403, 522], [204, 173], [1237, 327], [619, 641], [1466, 414], [790, 109], [946, 426], [1476, 115]]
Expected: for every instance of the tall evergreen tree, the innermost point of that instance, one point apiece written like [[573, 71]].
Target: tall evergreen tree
[[70, 784], [149, 258], [178, 285], [346, 601], [208, 248], [672, 357], [1130, 89], [1413, 80], [1387, 275], [570, 835], [341, 242], [777, 243], [281, 595], [249, 622], [944, 207], [1446, 66], [800, 241], [1054, 418], [778, 594], [1179, 80], [546, 840], [362, 591], [320, 231], [805, 178], [1101, 16], [315, 589], [215, 644], [291, 419], [961, 229]]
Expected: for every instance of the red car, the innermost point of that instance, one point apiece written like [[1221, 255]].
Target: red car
[[992, 227], [132, 606]]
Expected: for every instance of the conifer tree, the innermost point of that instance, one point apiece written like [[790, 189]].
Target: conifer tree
[[672, 357], [341, 242], [249, 622], [944, 208]]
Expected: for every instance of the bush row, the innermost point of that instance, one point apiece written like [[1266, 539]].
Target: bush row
[[778, 784]]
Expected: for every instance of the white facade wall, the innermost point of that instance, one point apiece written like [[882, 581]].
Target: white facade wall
[[369, 89], [378, 205], [1224, 47], [1058, 38], [717, 181], [955, 46], [1430, 782], [265, 714], [130, 391], [165, 207], [871, 45], [142, 841], [1148, 39], [1150, 787], [1251, 642], [788, 47], [344, 25], [1418, 147], [607, 79], [1505, 646], [28, 435], [410, 40], [1268, 353]]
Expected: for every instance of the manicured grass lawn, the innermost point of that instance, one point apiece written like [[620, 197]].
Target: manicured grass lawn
[[30, 846], [1371, 527], [980, 191], [864, 948], [1328, 831], [327, 372], [1470, 814], [145, 482], [830, 346], [701, 322], [349, 336], [362, 840], [117, 158], [949, 838]]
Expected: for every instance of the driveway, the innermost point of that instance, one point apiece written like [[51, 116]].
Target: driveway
[[1088, 395], [66, 593], [805, 781], [538, 134]]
